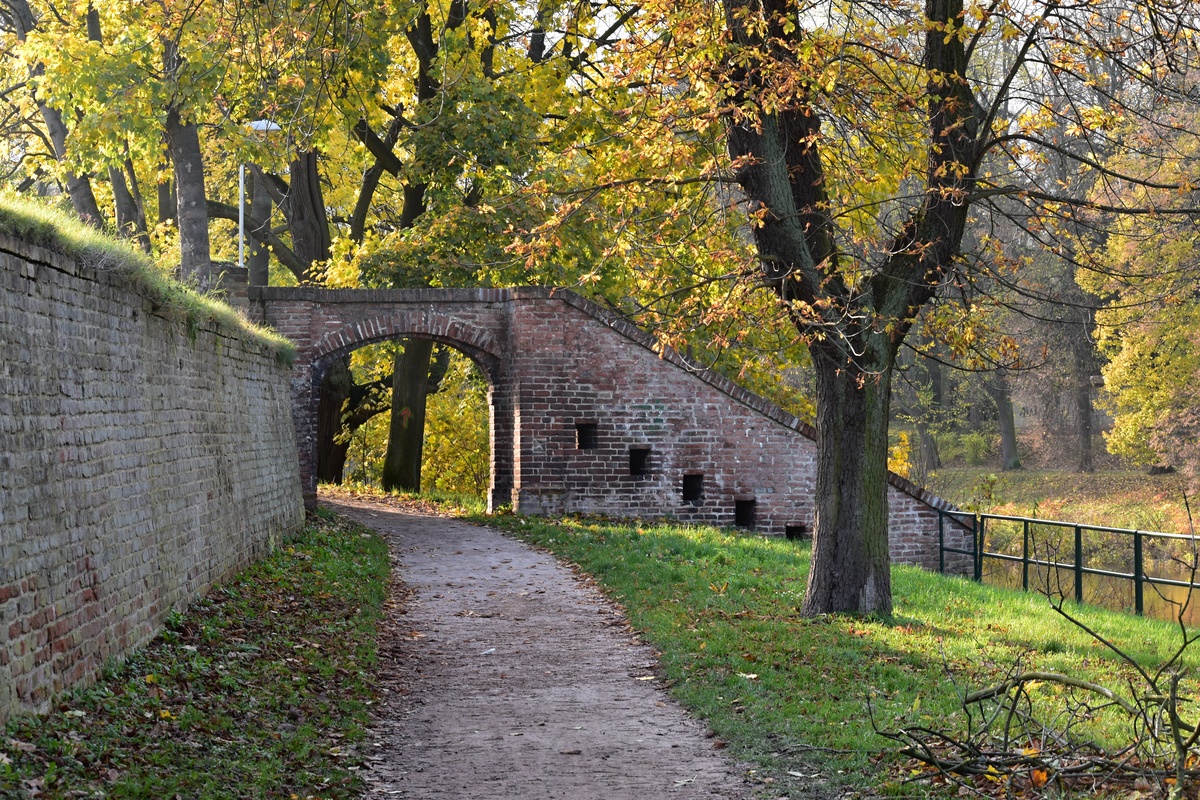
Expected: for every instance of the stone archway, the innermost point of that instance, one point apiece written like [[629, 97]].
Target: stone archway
[[479, 351], [326, 331], [589, 414]]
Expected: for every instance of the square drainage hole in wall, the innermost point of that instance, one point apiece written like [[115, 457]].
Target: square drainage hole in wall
[[586, 436], [743, 513], [693, 487], [639, 460], [796, 533]]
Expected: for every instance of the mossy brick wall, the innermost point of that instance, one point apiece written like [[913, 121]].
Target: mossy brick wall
[[140, 462], [578, 395]]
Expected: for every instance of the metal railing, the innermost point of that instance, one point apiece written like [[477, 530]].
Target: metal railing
[[1037, 544]]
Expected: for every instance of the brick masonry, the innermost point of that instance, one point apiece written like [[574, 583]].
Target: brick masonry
[[140, 462], [578, 396]]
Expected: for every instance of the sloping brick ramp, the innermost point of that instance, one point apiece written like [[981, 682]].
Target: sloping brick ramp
[[516, 681]]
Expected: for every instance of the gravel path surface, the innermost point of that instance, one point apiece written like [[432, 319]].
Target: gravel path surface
[[511, 678]]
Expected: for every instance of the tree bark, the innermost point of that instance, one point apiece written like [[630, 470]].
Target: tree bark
[[851, 565], [402, 465], [79, 187], [304, 207], [1083, 365], [366, 192], [191, 206], [142, 235], [331, 453], [167, 204], [258, 217], [928, 459], [999, 392], [1083, 411]]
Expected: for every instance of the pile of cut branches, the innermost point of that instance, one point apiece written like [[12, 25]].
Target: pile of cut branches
[[1011, 749], [1029, 734]]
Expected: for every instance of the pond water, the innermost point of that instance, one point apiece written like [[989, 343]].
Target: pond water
[[1164, 556]]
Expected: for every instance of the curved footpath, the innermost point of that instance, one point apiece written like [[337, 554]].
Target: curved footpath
[[508, 677]]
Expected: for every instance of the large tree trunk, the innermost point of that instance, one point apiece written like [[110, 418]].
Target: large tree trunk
[[79, 187], [855, 325], [331, 452], [851, 564], [999, 392], [258, 217], [402, 465], [1083, 365], [167, 204], [928, 458], [123, 202], [142, 233], [1083, 412], [304, 207], [191, 207]]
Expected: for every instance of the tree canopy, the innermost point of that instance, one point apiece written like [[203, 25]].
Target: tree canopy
[[771, 182], [876, 146]]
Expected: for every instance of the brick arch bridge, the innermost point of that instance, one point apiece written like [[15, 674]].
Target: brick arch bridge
[[586, 416]]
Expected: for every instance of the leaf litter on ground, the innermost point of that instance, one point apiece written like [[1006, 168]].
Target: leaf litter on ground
[[262, 689]]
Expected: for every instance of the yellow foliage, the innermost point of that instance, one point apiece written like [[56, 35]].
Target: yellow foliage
[[900, 455]]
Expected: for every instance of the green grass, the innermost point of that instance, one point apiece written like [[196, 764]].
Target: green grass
[[261, 690], [1118, 499], [433, 502], [55, 230], [798, 695]]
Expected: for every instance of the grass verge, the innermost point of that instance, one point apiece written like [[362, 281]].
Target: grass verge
[[801, 697], [47, 227], [434, 502], [261, 690], [1113, 498]]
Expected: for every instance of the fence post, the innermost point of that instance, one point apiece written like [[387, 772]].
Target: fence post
[[1078, 564], [1025, 557], [979, 527], [941, 542], [1137, 573]]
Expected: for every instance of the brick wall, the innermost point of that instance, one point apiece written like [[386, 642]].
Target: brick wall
[[139, 463], [587, 417], [583, 371]]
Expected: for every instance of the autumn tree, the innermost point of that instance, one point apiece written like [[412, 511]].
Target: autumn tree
[[460, 123], [19, 19], [1147, 329], [864, 138]]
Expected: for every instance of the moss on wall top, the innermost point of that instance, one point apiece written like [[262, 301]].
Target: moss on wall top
[[54, 230]]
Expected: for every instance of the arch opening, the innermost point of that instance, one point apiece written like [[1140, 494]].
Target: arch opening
[[450, 452], [475, 358]]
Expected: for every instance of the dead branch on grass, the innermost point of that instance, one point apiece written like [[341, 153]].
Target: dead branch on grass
[[1026, 736]]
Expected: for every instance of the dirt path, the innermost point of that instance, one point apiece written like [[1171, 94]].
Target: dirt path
[[514, 680]]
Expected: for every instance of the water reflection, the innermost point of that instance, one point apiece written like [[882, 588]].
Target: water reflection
[[1164, 556]]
